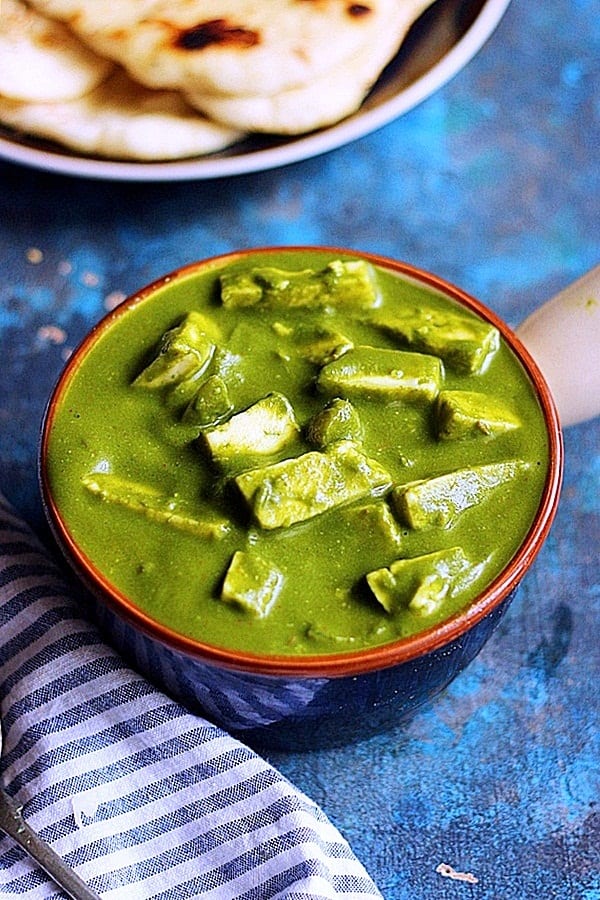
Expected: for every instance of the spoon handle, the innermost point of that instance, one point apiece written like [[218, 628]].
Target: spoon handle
[[13, 824], [563, 336]]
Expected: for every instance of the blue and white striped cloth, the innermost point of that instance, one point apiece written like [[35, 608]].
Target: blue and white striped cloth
[[143, 799]]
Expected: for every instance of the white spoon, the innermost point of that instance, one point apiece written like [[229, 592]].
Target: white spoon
[[563, 336], [13, 824]]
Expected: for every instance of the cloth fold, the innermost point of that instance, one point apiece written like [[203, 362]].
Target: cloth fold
[[142, 798]]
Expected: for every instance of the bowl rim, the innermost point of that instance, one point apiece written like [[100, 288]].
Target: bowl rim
[[329, 665]]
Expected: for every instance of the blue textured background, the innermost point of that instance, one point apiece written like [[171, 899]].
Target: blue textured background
[[493, 183]]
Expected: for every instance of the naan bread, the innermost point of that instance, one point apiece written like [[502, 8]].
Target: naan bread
[[40, 60], [233, 47], [122, 120], [323, 101], [189, 77]]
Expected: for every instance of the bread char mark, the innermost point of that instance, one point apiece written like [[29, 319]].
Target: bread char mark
[[215, 31], [222, 32], [356, 10]]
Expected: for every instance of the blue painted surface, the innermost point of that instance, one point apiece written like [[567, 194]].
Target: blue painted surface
[[494, 184]]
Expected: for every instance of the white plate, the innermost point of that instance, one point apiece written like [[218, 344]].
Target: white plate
[[440, 43]]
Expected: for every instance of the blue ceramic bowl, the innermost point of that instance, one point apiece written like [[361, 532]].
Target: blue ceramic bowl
[[306, 702]]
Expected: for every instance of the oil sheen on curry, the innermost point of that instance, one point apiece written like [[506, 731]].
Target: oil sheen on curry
[[298, 454]]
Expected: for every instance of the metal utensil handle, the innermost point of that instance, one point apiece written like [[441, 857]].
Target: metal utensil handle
[[13, 823]]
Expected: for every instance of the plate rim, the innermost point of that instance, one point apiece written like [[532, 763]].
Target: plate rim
[[348, 130]]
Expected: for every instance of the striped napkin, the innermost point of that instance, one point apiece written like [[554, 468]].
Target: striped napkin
[[141, 798]]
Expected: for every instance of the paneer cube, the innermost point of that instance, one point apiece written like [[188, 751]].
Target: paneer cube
[[302, 487], [382, 374], [210, 404], [263, 429], [467, 414], [420, 584], [438, 502], [252, 583], [349, 283], [465, 343], [184, 352], [337, 421]]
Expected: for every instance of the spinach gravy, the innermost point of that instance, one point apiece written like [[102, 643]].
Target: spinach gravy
[[293, 453]]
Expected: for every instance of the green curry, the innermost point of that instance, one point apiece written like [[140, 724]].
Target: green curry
[[295, 454]]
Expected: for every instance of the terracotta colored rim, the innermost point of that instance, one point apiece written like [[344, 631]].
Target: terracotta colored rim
[[330, 665]]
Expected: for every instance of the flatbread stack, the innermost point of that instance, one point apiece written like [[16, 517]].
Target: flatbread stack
[[170, 79]]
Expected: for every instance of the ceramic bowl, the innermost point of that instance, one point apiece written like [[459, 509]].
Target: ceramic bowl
[[305, 702]]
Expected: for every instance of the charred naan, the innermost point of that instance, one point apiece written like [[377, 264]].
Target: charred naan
[[40, 60], [233, 47], [122, 120], [169, 79], [323, 101]]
